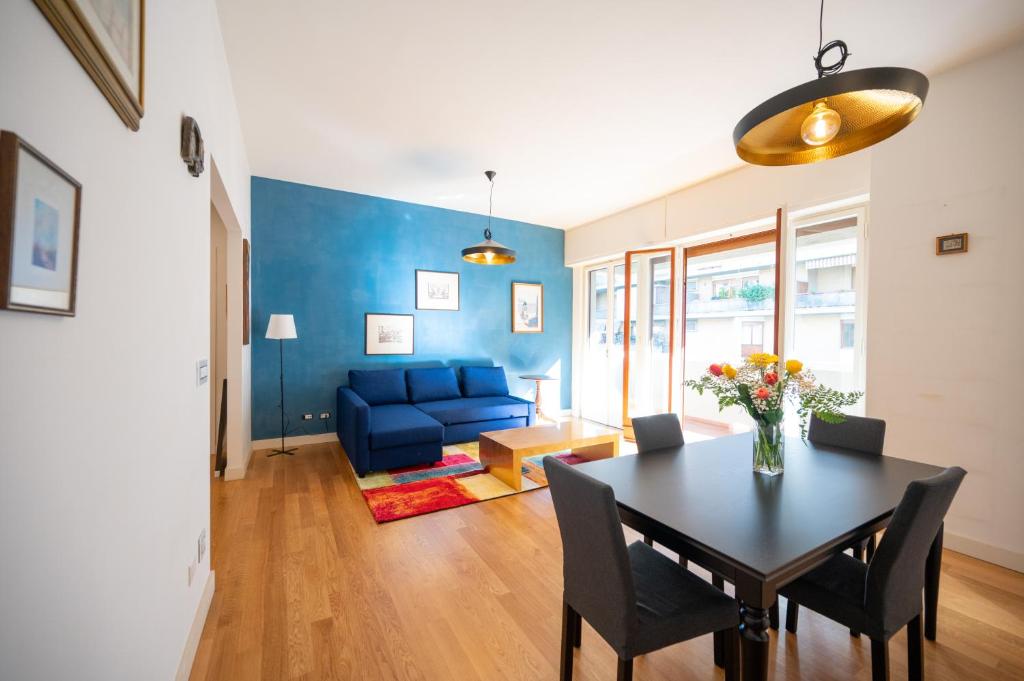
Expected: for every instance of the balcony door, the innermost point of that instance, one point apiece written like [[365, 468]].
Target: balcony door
[[649, 313], [603, 353], [730, 307]]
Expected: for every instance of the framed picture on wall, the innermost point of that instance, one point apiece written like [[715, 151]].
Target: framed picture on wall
[[437, 290], [527, 307], [39, 208], [107, 38], [389, 334]]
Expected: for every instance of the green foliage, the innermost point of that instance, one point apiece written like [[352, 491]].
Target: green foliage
[[755, 293]]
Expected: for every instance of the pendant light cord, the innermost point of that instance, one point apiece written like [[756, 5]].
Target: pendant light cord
[[844, 53]]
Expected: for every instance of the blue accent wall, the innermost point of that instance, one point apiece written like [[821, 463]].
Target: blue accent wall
[[328, 257]]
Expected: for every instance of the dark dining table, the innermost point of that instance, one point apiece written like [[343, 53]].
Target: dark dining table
[[704, 501]]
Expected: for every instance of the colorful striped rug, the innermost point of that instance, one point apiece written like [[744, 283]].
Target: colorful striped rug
[[457, 480]]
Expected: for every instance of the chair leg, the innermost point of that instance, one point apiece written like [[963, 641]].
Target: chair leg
[[732, 654], [684, 563], [872, 545], [792, 615], [932, 572], [879, 660], [568, 632], [648, 540], [719, 637], [577, 639], [915, 650], [625, 670], [773, 615]]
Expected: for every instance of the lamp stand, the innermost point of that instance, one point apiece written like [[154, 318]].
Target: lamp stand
[[282, 450]]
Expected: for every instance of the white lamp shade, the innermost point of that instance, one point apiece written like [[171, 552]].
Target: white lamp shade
[[281, 326]]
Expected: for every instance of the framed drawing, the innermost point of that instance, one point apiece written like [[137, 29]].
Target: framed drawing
[[437, 290], [389, 334], [527, 307], [245, 292], [951, 243], [107, 38], [39, 209]]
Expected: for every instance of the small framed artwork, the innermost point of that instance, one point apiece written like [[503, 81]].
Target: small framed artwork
[[437, 290], [107, 38], [527, 307], [39, 213], [951, 243], [389, 334]]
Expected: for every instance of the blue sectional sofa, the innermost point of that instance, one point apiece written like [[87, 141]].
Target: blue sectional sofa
[[389, 418]]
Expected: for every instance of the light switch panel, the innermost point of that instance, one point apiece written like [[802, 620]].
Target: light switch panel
[[202, 371]]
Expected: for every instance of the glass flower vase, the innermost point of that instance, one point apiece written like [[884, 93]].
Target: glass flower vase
[[769, 448]]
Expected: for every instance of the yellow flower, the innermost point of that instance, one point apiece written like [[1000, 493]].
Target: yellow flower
[[729, 371], [794, 366], [762, 359]]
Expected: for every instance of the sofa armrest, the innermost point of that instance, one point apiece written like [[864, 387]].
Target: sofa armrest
[[354, 429], [531, 418]]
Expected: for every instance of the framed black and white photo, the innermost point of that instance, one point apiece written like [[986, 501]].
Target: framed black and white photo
[[437, 290], [39, 213], [527, 307], [389, 334]]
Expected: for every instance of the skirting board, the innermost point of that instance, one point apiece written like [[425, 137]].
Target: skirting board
[[188, 656], [297, 440], [986, 552]]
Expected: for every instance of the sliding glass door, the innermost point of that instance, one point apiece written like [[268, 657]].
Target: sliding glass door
[[602, 364], [730, 311]]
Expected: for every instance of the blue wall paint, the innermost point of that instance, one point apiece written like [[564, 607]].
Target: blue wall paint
[[328, 257]]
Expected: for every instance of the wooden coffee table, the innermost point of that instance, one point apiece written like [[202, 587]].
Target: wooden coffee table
[[502, 451]]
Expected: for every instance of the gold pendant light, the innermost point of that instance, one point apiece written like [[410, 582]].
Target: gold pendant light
[[837, 114], [489, 251]]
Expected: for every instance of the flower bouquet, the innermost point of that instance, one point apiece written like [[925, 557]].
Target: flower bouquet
[[761, 389]]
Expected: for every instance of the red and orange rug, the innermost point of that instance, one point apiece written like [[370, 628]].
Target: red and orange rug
[[457, 480]]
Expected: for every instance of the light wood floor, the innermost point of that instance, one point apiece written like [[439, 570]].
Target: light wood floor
[[310, 587]]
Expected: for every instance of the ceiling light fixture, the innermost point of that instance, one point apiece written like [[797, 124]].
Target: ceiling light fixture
[[489, 251], [837, 114]]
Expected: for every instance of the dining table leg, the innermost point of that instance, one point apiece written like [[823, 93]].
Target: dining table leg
[[932, 572], [753, 642]]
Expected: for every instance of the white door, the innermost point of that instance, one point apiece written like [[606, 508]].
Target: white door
[[602, 362]]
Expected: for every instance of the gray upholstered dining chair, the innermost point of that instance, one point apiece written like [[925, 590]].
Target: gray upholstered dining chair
[[637, 599], [859, 433], [657, 432], [881, 597]]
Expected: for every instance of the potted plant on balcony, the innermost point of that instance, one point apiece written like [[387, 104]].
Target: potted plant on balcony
[[762, 388]]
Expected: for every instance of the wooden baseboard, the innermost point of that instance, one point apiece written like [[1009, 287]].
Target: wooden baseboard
[[295, 441], [188, 655], [986, 552]]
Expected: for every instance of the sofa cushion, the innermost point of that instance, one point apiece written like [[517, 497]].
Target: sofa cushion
[[430, 385], [380, 386], [469, 409], [395, 425], [484, 381]]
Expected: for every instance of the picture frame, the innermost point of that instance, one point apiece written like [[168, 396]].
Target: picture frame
[[527, 307], [437, 290], [108, 39], [951, 243], [40, 208], [389, 334]]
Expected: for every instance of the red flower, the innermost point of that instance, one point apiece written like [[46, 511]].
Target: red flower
[[763, 393], [771, 378], [715, 370]]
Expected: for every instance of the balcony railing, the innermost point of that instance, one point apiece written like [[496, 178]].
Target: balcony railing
[[803, 300]]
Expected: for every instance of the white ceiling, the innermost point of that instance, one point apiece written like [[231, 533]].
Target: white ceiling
[[584, 107]]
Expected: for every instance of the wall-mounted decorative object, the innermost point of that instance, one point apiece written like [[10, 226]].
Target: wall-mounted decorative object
[[192, 149], [527, 307], [437, 290], [108, 40], [245, 292], [39, 208], [951, 243], [836, 114], [389, 334], [489, 251]]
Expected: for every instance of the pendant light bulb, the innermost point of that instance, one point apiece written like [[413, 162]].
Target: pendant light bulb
[[821, 125], [489, 256]]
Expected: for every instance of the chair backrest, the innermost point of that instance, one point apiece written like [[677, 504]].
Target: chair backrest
[[895, 576], [597, 577], [856, 432], [657, 432]]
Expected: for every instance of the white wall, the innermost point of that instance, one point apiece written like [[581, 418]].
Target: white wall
[[105, 483], [944, 339]]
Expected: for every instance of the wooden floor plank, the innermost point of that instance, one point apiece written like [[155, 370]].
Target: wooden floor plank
[[310, 588]]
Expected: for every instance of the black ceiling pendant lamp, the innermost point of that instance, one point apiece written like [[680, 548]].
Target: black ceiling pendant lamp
[[489, 251], [837, 114]]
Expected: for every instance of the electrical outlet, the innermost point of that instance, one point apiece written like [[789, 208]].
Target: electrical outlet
[[307, 417], [325, 415], [191, 572], [202, 544]]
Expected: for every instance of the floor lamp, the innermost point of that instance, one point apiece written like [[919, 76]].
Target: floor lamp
[[281, 328]]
